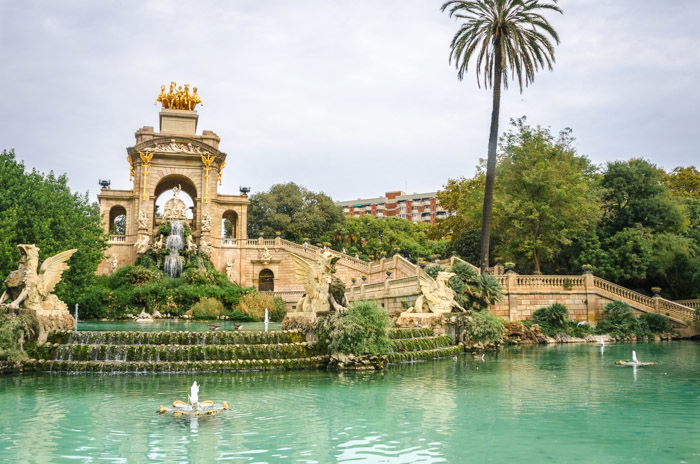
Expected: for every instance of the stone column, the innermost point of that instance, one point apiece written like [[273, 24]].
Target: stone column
[[591, 297], [511, 284]]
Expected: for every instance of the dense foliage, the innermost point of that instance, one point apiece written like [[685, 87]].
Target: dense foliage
[[41, 209], [16, 331], [254, 304], [635, 224], [361, 330], [296, 213], [373, 238], [132, 289], [619, 320], [484, 328], [551, 318]]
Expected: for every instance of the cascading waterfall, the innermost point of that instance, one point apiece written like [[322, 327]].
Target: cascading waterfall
[[174, 243]]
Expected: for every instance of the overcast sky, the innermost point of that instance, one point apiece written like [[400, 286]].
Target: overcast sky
[[352, 98]]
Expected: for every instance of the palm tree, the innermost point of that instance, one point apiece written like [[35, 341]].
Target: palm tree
[[502, 36]]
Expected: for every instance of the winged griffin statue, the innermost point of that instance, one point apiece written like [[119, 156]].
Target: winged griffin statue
[[30, 286], [436, 296], [322, 288]]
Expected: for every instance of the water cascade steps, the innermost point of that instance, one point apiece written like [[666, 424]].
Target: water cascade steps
[[174, 352], [417, 344], [186, 352]]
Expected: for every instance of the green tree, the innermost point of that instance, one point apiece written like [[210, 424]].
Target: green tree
[[634, 194], [504, 37], [546, 195], [684, 182], [41, 209], [374, 238], [295, 212]]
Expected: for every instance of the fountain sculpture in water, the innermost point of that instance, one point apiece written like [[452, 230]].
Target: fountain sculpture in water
[[635, 362], [194, 407], [30, 288]]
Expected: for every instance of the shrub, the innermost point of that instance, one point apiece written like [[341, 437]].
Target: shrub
[[135, 275], [433, 270], [361, 330], [553, 319], [483, 327], [474, 291], [254, 304], [619, 320], [656, 323], [207, 308]]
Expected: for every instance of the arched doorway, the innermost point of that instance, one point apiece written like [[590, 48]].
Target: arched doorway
[[266, 281], [117, 221], [229, 224]]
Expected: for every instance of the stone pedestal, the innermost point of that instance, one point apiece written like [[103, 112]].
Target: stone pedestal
[[182, 122], [49, 320], [412, 320], [298, 320]]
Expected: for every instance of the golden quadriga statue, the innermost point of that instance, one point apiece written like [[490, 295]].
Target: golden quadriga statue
[[180, 98], [319, 288], [29, 289], [435, 300]]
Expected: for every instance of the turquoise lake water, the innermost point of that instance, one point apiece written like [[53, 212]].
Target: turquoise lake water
[[541, 404]]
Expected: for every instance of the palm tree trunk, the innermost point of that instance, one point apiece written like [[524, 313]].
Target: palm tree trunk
[[491, 160]]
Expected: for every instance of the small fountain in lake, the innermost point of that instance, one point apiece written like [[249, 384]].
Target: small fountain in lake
[[194, 407], [175, 214]]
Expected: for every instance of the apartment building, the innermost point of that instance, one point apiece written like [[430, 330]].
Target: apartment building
[[415, 207]]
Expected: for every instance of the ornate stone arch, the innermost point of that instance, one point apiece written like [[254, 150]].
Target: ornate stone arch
[[229, 224], [170, 181], [117, 220]]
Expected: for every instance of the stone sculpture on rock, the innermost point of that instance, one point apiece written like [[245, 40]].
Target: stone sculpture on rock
[[436, 296], [30, 288], [318, 279], [435, 300]]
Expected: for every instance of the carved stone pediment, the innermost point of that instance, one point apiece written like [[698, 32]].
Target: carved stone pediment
[[176, 145]]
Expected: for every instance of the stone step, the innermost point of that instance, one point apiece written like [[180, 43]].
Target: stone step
[[408, 356], [243, 337], [410, 333], [172, 353], [422, 343], [107, 367]]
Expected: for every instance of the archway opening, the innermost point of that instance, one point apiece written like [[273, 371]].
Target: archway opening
[[229, 224], [266, 281], [163, 193], [117, 220]]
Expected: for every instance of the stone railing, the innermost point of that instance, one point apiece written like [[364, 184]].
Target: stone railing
[[550, 281], [695, 304], [623, 292], [228, 242], [117, 238]]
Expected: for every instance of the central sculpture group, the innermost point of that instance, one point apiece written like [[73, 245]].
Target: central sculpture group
[[180, 98]]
